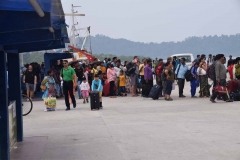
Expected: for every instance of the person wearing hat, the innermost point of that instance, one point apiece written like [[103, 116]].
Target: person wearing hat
[[229, 61]]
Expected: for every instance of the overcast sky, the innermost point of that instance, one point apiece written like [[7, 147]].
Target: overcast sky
[[158, 20]]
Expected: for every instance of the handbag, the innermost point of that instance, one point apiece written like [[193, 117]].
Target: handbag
[[220, 89], [43, 87]]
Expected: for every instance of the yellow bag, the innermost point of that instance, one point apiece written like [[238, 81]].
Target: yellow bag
[[43, 87], [50, 102]]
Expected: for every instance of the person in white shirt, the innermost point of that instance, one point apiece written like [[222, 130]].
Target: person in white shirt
[[202, 72], [85, 88], [117, 69]]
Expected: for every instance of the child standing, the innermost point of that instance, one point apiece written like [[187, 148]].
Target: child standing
[[122, 84], [97, 86], [85, 89]]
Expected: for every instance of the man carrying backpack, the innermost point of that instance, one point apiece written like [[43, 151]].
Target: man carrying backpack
[[180, 75]]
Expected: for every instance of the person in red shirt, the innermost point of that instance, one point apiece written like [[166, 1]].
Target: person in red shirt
[[230, 69]]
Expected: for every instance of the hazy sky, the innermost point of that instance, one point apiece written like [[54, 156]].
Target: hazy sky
[[157, 20]]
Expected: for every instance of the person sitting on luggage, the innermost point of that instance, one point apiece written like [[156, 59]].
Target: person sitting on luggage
[[122, 84], [97, 86], [85, 89]]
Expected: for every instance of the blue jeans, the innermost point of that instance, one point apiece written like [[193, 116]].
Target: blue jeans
[[169, 84], [58, 89], [79, 89], [193, 87]]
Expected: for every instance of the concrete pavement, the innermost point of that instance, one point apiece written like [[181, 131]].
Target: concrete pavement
[[133, 129]]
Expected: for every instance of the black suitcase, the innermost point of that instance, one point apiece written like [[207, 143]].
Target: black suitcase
[[94, 100], [146, 88], [155, 91]]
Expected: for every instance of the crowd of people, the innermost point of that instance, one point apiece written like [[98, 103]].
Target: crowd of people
[[113, 78]]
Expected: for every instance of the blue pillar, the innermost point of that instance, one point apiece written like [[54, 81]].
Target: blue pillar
[[4, 126], [14, 91]]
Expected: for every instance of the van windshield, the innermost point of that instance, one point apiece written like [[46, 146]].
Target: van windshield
[[188, 58]]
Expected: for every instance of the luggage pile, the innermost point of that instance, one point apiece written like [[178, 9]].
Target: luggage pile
[[233, 87]]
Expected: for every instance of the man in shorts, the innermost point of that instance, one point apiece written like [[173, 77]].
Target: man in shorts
[[134, 77], [30, 79]]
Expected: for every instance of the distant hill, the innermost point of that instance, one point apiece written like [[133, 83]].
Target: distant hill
[[196, 45]]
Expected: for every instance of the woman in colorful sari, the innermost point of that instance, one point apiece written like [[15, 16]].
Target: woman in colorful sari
[[202, 72], [50, 85]]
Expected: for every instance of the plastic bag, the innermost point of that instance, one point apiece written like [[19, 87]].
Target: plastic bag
[[173, 85], [51, 103]]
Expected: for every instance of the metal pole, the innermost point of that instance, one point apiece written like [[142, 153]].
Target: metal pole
[[4, 121], [14, 81]]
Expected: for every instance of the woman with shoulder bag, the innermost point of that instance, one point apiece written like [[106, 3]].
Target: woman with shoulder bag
[[202, 72], [48, 85]]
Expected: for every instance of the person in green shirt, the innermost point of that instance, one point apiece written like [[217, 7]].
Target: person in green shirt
[[69, 83]]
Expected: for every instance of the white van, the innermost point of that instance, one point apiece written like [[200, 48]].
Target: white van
[[188, 56]]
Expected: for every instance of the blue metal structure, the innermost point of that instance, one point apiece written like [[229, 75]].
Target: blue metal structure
[[51, 59], [26, 25]]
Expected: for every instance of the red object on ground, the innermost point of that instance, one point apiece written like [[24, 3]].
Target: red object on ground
[[106, 89], [232, 86]]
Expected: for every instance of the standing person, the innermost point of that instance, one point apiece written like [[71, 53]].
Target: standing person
[[85, 73], [229, 61], [175, 63], [197, 59], [105, 62], [230, 69], [209, 60], [111, 75], [194, 81], [141, 70], [30, 78], [122, 84], [180, 75], [85, 88], [114, 61], [69, 81], [103, 68], [237, 68], [79, 73], [97, 86], [42, 71], [94, 70], [134, 77], [50, 84], [56, 76], [159, 71], [153, 71], [128, 83], [117, 70], [204, 86], [148, 74], [169, 80], [221, 76], [90, 78]]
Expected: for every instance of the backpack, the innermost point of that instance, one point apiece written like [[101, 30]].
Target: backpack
[[211, 72], [131, 68], [188, 75], [159, 69], [163, 75]]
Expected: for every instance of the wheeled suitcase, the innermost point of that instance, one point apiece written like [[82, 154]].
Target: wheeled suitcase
[[94, 100], [106, 89], [146, 88], [155, 92], [232, 86]]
